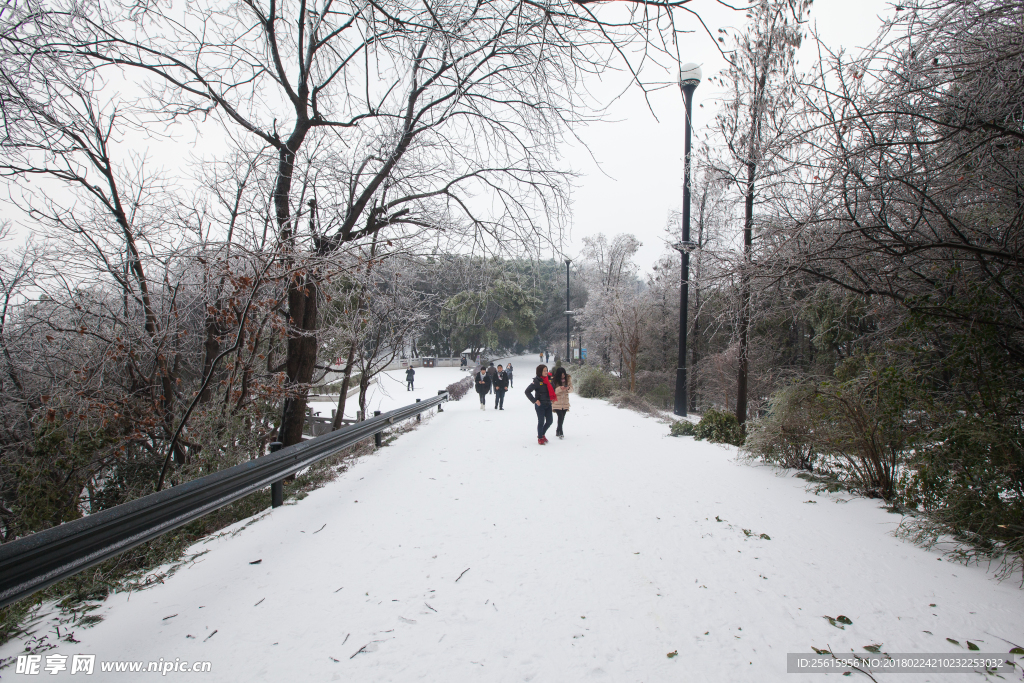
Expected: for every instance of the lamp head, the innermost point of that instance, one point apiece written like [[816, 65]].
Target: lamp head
[[685, 247], [689, 75]]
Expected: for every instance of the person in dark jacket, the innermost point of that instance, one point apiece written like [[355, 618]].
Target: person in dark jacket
[[500, 387], [409, 375], [491, 373], [483, 386], [541, 394], [508, 371]]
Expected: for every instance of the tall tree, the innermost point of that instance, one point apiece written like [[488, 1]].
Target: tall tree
[[755, 124]]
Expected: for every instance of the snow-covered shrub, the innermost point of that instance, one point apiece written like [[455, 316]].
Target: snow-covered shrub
[[682, 428], [783, 436], [968, 478], [719, 427], [857, 428], [631, 401], [458, 389], [592, 382]]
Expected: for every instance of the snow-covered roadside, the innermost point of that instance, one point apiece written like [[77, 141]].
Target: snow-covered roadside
[[466, 552], [388, 391]]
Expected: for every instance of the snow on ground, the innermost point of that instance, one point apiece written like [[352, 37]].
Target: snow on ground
[[466, 552], [389, 391]]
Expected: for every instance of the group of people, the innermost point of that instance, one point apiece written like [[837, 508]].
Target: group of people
[[496, 380], [549, 392]]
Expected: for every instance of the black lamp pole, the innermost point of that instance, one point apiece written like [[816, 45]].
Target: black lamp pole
[[689, 78], [568, 314]]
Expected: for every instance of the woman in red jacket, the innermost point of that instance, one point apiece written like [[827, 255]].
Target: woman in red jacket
[[541, 394]]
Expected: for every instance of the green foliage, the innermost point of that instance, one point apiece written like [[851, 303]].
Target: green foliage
[[50, 480], [934, 428], [839, 320], [682, 428], [719, 427], [592, 382], [969, 479], [858, 427]]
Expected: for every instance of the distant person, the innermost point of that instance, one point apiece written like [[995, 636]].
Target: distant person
[[562, 381], [483, 386], [547, 356], [491, 373], [508, 371], [541, 394], [500, 385], [463, 361], [409, 375]]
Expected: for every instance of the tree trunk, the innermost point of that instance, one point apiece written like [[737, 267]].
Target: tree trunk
[[301, 363], [748, 235], [302, 300], [344, 388], [694, 353], [364, 382]]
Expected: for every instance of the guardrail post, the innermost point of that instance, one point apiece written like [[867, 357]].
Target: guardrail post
[[439, 408], [417, 414], [277, 488], [378, 437]]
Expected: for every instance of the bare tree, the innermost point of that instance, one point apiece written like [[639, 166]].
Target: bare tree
[[755, 125], [410, 109]]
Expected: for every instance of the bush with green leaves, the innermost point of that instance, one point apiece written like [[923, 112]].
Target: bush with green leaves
[[719, 427], [969, 479], [592, 382], [682, 428], [856, 427]]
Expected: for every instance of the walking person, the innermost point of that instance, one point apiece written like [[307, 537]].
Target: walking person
[[562, 381], [508, 371], [462, 361], [491, 373], [541, 357], [483, 386], [547, 356], [541, 394], [409, 375], [500, 385]]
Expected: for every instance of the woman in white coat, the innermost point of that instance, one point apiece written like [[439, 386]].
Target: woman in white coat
[[562, 382]]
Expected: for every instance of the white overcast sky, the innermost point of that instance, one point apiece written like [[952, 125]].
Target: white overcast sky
[[631, 177], [634, 177]]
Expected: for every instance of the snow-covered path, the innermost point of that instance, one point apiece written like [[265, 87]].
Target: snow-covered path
[[466, 552]]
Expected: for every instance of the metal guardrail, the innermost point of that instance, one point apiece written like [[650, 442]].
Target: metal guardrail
[[34, 562]]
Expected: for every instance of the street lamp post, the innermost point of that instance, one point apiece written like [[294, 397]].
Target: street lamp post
[[689, 79], [568, 315]]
